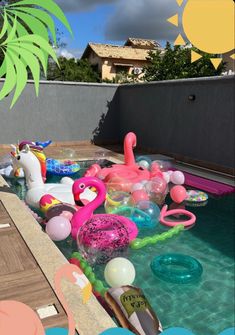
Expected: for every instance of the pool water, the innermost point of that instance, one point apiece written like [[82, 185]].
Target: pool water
[[205, 307]]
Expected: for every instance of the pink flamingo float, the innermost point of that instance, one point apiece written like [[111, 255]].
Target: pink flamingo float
[[18, 318], [125, 174], [86, 213]]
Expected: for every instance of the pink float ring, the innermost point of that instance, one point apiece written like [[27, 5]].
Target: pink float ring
[[165, 213]]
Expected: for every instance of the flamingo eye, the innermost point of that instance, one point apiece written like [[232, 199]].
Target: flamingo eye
[[82, 186]]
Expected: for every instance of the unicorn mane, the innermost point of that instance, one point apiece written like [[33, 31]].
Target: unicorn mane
[[42, 160]]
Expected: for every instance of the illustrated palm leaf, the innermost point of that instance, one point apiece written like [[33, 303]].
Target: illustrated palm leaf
[[25, 43]]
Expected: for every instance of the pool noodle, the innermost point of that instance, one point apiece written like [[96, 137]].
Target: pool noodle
[[208, 185]]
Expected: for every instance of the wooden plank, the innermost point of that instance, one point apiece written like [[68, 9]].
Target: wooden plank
[[21, 278]]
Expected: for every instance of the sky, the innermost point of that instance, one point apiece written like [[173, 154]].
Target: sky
[[113, 21]]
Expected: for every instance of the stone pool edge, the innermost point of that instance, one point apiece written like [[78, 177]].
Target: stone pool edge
[[91, 318]]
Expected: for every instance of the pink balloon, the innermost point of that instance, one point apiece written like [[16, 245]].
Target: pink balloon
[[177, 177], [139, 195], [58, 228], [178, 194]]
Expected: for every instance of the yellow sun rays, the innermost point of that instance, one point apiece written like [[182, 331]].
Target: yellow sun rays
[[179, 2], [233, 56], [195, 56], [174, 20]]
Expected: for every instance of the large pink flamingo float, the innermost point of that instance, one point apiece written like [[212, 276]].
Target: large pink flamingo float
[[86, 213], [18, 318], [125, 174]]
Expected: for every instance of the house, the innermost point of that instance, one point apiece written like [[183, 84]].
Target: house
[[230, 62], [111, 60]]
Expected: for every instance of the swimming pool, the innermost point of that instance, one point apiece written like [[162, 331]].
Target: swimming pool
[[206, 307]]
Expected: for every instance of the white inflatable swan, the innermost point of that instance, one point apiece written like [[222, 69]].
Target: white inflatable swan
[[26, 160]]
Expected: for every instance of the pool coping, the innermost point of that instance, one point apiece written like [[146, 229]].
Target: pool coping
[[90, 318]]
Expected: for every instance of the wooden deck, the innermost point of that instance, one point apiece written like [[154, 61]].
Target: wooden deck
[[26, 272], [86, 150], [21, 278]]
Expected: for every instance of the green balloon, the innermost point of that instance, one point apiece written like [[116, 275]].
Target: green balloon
[[139, 243]]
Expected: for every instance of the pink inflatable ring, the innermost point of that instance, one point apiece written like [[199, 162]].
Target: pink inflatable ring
[[165, 213]]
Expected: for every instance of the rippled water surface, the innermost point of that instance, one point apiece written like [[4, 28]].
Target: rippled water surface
[[206, 307]]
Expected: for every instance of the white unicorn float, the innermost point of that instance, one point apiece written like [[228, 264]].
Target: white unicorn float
[[8, 170], [33, 167]]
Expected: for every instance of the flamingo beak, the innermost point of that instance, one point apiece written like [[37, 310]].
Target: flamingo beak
[[85, 285], [77, 200]]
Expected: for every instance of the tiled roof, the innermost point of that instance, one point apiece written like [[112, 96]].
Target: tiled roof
[[142, 43], [116, 51]]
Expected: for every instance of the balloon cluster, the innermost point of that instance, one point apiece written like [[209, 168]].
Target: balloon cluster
[[155, 189], [144, 213]]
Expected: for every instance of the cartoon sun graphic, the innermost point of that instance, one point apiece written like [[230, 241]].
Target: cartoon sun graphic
[[209, 26]]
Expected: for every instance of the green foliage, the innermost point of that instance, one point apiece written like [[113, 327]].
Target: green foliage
[[73, 70], [175, 63], [122, 78], [25, 42]]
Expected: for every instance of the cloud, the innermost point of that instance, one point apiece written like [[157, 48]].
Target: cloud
[[71, 53], [144, 19], [64, 53], [81, 5]]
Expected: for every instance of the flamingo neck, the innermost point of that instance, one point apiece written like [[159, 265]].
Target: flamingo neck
[[100, 198], [71, 322], [129, 143]]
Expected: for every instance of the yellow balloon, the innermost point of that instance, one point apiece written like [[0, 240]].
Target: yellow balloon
[[119, 271], [209, 25]]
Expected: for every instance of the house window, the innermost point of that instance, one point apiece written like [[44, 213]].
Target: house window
[[122, 68]]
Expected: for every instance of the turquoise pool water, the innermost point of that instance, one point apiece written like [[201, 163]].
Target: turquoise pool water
[[206, 307]]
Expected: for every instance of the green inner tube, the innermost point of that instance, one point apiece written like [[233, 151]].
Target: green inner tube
[[176, 268]]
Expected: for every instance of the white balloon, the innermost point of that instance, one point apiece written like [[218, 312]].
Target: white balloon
[[177, 178], [166, 176], [119, 271]]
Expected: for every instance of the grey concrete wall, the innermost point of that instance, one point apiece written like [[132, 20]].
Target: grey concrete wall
[[160, 113], [165, 119], [62, 112]]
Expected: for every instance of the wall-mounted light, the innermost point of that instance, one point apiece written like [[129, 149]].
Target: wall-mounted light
[[192, 97]]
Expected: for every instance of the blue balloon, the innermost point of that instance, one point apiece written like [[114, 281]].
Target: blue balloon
[[177, 331], [56, 331], [117, 331], [228, 331]]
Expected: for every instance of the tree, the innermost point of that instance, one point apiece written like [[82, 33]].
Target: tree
[[73, 70], [25, 42], [175, 63]]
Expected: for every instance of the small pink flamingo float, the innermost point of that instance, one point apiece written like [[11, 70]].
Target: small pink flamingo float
[[18, 318], [125, 174], [85, 214]]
